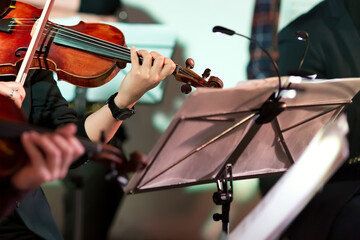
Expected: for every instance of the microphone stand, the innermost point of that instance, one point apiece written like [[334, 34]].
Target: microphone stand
[[268, 111], [302, 35], [219, 29]]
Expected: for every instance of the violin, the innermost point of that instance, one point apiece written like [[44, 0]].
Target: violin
[[86, 54], [13, 156]]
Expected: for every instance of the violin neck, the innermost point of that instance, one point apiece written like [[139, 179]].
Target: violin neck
[[95, 45], [91, 44]]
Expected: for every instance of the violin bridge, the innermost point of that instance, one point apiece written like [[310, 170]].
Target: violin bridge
[[7, 25]]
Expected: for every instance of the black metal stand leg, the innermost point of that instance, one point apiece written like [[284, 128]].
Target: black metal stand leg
[[224, 197]]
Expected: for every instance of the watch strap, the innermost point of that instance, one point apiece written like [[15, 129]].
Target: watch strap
[[119, 113]]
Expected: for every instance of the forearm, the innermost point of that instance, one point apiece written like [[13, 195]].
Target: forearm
[[137, 82], [100, 122]]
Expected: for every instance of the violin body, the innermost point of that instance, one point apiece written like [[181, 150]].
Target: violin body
[[79, 67]]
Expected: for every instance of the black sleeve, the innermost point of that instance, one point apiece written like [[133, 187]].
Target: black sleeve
[[8, 197], [103, 7], [50, 109]]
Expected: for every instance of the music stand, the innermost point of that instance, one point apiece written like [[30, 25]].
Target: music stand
[[241, 127]]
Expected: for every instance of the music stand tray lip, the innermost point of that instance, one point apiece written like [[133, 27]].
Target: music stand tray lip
[[201, 182]]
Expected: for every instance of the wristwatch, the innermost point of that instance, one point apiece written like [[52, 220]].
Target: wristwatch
[[119, 113]]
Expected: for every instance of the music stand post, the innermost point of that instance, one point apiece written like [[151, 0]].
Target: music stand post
[[267, 113], [224, 197]]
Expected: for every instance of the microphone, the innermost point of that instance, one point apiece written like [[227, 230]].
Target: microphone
[[301, 36], [220, 29]]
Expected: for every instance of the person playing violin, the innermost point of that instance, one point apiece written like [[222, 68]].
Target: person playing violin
[[51, 154]]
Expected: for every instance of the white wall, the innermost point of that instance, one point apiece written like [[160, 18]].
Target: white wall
[[193, 21]]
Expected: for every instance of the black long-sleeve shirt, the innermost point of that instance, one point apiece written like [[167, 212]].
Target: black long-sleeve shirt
[[43, 106]]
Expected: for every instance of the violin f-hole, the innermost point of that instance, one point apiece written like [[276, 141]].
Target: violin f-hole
[[39, 52]]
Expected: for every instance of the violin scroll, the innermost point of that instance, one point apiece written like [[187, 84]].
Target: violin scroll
[[191, 79], [215, 82]]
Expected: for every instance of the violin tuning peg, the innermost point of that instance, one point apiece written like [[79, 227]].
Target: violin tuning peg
[[189, 63], [186, 88], [206, 73]]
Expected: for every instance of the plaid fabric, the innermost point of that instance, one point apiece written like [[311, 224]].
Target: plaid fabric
[[264, 30]]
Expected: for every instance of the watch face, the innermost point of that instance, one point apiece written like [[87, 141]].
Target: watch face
[[124, 114]]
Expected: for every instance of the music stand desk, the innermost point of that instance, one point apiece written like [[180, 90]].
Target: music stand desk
[[212, 124]]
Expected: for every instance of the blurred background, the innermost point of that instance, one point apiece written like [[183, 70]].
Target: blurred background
[[179, 30]]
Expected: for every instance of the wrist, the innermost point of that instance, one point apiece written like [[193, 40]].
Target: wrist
[[19, 183], [122, 101], [118, 111]]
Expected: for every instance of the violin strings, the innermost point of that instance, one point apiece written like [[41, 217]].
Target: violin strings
[[86, 38], [74, 34], [103, 43], [78, 36]]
